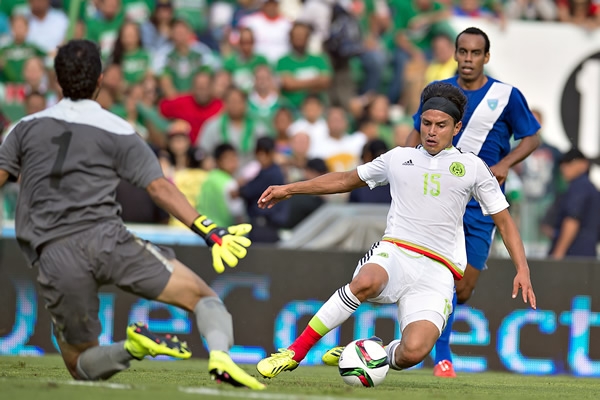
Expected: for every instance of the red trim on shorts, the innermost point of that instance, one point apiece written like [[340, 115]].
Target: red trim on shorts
[[436, 257]]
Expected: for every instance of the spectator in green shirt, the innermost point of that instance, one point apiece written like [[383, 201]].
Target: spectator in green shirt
[[264, 101], [216, 195], [241, 64], [130, 55], [234, 126], [302, 73], [183, 62], [104, 28], [14, 55]]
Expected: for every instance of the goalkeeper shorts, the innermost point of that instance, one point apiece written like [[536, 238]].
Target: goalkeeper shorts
[[71, 270]]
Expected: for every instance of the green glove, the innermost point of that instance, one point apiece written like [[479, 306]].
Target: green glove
[[228, 244]]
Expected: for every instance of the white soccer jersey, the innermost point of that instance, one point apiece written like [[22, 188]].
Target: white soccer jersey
[[429, 197]]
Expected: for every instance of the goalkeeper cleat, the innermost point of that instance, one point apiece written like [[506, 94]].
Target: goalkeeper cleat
[[444, 369], [332, 356], [281, 361], [141, 343], [222, 369]]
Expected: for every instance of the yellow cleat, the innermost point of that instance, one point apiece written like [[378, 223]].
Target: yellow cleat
[[281, 361], [222, 369], [332, 357], [141, 343]]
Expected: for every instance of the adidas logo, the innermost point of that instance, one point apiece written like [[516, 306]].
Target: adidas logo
[[409, 162]]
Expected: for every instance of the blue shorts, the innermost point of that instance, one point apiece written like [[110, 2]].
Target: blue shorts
[[479, 232]]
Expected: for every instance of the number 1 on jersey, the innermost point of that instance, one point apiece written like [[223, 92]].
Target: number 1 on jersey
[[62, 141], [431, 184]]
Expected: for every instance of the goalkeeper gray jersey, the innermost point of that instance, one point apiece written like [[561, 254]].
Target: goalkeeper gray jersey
[[70, 159]]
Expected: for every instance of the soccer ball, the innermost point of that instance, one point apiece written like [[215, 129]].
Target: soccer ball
[[363, 363]]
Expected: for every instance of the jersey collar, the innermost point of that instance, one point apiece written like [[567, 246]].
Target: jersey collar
[[84, 103], [447, 150]]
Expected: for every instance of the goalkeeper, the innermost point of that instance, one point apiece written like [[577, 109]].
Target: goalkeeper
[[70, 158]]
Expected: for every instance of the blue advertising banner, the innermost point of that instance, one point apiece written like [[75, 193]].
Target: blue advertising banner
[[273, 293]]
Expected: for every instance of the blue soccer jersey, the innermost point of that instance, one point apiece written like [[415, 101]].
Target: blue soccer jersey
[[494, 113]]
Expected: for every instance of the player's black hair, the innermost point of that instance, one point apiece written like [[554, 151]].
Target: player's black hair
[[78, 67], [222, 149], [265, 145], [448, 92], [475, 31]]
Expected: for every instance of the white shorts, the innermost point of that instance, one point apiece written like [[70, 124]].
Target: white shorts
[[422, 288]]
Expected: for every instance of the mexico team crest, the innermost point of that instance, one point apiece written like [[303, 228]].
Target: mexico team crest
[[457, 169], [492, 104]]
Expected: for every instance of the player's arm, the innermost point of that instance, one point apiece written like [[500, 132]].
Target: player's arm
[[512, 240], [136, 163], [493, 202], [333, 182], [525, 147], [169, 198], [524, 126]]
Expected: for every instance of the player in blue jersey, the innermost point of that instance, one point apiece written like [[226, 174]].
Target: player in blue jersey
[[495, 112]]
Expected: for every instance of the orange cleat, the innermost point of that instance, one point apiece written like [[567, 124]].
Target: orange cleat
[[444, 369]]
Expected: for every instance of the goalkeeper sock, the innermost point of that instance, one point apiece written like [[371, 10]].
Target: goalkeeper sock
[[333, 313], [214, 323], [442, 346], [102, 362]]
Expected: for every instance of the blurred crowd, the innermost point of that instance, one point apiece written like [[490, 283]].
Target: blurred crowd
[[235, 96]]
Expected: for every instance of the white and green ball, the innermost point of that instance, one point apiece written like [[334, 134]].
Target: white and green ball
[[363, 363]]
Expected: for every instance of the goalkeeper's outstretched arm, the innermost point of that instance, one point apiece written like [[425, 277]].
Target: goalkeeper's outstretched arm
[[228, 244], [334, 182], [169, 198]]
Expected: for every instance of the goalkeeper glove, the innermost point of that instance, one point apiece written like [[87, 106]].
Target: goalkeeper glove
[[228, 244]]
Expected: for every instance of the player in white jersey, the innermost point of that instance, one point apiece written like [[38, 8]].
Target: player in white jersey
[[496, 113], [423, 249]]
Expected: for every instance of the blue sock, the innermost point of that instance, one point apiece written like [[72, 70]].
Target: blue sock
[[442, 346]]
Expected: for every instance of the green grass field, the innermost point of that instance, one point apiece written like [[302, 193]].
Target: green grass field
[[45, 378]]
